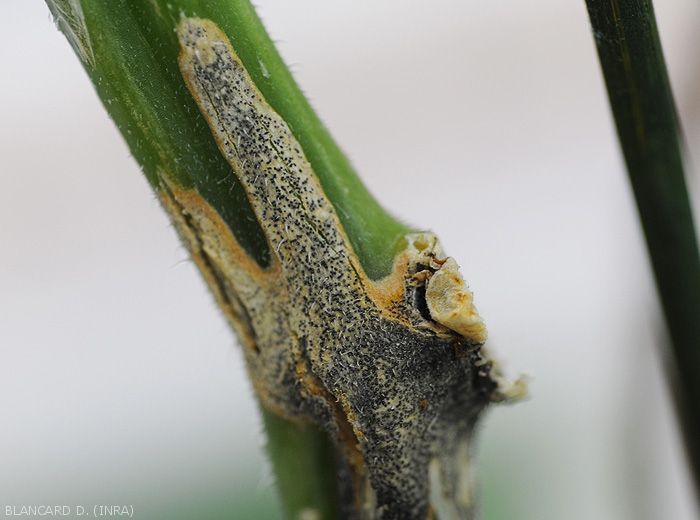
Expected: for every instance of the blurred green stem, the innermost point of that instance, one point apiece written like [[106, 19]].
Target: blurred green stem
[[640, 95]]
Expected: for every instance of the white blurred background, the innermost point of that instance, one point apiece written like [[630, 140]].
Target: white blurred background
[[485, 121]]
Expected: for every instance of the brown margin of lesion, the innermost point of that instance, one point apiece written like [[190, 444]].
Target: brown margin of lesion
[[179, 204]]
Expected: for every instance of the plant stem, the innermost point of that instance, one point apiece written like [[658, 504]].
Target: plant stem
[[297, 451], [642, 103], [129, 49], [361, 339]]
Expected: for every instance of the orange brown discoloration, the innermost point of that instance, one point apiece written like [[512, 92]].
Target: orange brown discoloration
[[190, 237], [390, 291]]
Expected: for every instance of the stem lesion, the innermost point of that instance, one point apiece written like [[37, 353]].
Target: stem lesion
[[181, 205], [390, 385], [334, 341]]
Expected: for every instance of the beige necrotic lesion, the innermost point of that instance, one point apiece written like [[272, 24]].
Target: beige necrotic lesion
[[300, 223], [308, 318], [302, 228]]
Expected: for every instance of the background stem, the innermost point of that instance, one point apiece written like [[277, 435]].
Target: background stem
[[632, 60]]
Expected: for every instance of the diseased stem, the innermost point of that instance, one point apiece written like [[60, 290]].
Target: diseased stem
[[640, 95], [361, 339], [129, 48]]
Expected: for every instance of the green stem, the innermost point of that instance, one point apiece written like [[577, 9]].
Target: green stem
[[642, 103], [302, 452]]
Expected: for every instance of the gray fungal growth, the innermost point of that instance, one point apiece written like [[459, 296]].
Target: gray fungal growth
[[399, 390]]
